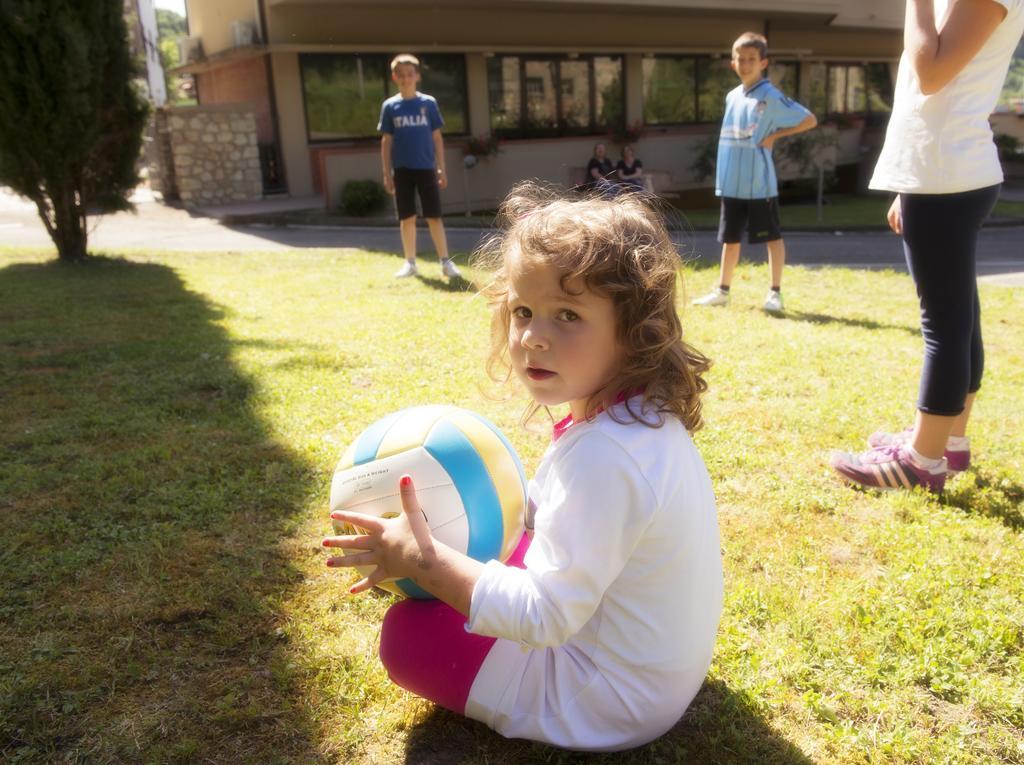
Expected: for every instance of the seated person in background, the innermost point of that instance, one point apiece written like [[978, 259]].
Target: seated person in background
[[598, 169], [630, 169]]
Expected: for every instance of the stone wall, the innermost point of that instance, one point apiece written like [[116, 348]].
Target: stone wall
[[215, 155]]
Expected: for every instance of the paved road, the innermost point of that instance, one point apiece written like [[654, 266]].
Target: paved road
[[1001, 250], [159, 227]]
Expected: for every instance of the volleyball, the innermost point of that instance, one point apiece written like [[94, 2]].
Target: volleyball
[[469, 482]]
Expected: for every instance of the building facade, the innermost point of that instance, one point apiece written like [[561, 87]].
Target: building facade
[[549, 78]]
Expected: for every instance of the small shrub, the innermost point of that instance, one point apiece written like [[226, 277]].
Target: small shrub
[[807, 150], [362, 197], [1009, 146], [626, 134], [705, 155]]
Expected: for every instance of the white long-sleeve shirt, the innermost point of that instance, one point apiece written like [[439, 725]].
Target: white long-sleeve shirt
[[607, 634]]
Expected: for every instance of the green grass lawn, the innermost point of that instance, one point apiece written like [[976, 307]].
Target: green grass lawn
[[169, 424]]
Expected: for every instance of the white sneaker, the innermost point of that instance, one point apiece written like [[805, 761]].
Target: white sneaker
[[717, 296], [449, 269], [408, 269], [773, 303]]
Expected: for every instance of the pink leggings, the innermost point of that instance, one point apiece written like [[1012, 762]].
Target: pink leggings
[[425, 648]]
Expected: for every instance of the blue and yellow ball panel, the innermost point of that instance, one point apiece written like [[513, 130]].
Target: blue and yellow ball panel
[[367, 445], [475, 460], [449, 446], [509, 449], [505, 470]]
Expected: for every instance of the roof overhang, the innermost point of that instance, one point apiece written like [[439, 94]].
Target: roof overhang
[[830, 8], [864, 15]]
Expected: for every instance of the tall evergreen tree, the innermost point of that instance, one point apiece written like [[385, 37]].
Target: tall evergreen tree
[[71, 117]]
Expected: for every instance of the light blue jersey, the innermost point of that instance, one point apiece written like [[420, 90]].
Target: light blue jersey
[[746, 170], [412, 122]]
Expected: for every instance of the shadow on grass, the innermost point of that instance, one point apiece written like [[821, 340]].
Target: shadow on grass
[[458, 284], [721, 727], [142, 508], [823, 318], [989, 493]]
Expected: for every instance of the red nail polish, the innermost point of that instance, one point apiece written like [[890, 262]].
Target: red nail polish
[[406, 480]]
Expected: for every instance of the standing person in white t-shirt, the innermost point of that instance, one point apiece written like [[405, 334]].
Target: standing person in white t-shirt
[[940, 159]]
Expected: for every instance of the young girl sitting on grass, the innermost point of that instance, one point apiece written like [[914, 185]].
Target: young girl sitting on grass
[[598, 633]]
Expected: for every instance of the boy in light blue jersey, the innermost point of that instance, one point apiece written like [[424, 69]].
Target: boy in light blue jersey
[[756, 115], [412, 160]]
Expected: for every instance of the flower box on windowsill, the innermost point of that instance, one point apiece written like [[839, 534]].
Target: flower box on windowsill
[[482, 147]]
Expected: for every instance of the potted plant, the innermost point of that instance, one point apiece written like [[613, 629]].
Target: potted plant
[[482, 147], [626, 134]]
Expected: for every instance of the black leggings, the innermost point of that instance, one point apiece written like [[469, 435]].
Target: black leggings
[[940, 232]]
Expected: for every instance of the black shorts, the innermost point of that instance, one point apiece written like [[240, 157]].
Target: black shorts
[[407, 183], [759, 216]]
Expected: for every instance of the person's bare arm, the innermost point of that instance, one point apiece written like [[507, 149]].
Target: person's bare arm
[[385, 162], [895, 215], [442, 174], [808, 122], [937, 56]]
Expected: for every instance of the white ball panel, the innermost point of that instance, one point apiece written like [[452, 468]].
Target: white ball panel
[[454, 533], [374, 481], [372, 489]]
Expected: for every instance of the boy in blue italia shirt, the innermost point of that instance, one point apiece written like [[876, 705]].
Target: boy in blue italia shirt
[[756, 115], [412, 158]]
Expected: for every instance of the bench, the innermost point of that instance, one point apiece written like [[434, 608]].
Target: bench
[[655, 181]]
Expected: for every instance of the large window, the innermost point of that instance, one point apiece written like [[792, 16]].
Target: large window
[[816, 89], [669, 90], [554, 95], [859, 89], [846, 91], [685, 89], [444, 77], [785, 75], [879, 84], [715, 78], [343, 92]]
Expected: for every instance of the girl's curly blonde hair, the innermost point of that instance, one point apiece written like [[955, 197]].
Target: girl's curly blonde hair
[[621, 249]]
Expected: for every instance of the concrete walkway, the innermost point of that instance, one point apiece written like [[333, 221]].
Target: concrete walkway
[[156, 226], [270, 206]]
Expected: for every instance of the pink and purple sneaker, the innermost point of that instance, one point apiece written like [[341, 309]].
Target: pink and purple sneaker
[[888, 467], [957, 459]]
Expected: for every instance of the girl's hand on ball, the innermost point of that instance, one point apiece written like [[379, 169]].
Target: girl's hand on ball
[[398, 547]]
